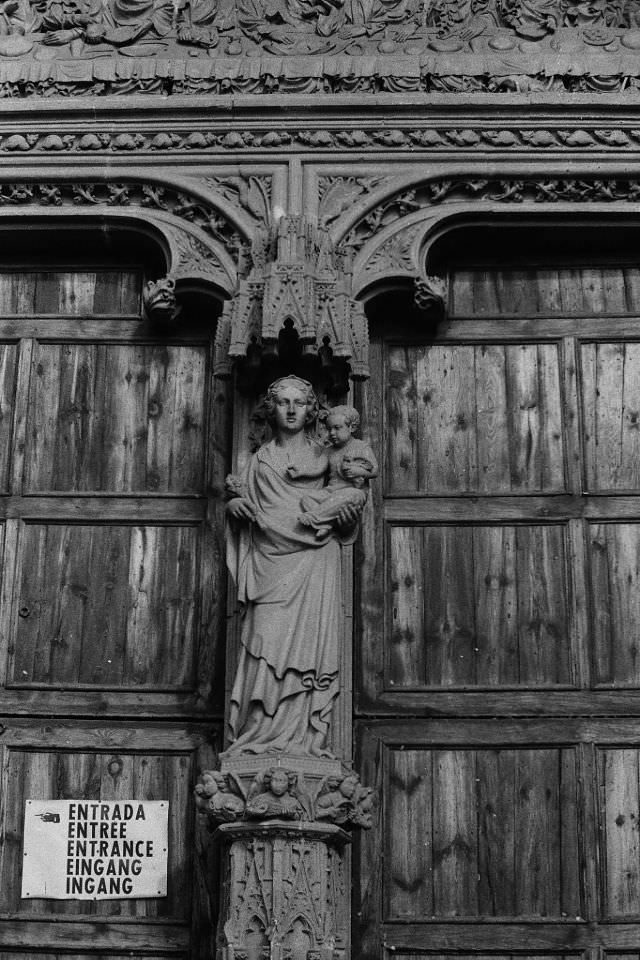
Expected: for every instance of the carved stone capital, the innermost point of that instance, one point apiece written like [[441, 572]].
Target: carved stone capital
[[284, 891]]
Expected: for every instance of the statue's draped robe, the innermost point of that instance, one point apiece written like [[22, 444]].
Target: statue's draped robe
[[289, 585]]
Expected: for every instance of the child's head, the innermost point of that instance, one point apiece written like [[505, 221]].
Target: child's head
[[342, 422]]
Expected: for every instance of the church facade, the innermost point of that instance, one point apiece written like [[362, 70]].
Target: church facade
[[428, 211]]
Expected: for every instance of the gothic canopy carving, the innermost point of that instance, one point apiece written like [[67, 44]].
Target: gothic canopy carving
[[111, 46], [297, 282]]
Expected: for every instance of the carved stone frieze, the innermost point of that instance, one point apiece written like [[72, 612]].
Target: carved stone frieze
[[76, 47], [502, 139], [289, 788], [297, 282]]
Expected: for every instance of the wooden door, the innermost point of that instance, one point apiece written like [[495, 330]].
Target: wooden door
[[499, 701], [111, 441]]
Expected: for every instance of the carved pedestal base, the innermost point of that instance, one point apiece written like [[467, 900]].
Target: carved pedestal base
[[284, 891]]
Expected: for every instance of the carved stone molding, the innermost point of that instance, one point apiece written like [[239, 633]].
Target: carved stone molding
[[409, 138], [285, 894], [298, 283]]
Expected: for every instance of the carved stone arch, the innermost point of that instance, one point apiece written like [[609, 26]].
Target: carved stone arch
[[203, 235], [400, 251]]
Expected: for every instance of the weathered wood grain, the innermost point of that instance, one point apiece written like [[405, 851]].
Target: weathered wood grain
[[614, 577], [70, 292], [540, 290], [116, 418], [611, 414], [410, 856], [488, 419], [8, 377], [473, 605], [110, 605], [486, 828], [620, 812]]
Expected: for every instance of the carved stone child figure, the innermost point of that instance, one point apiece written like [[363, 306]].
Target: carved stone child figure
[[278, 797], [351, 465], [218, 797]]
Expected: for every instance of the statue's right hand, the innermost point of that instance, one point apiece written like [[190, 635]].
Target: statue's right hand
[[241, 509]]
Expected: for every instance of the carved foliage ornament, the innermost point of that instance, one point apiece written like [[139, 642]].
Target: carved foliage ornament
[[297, 280], [539, 190], [151, 196]]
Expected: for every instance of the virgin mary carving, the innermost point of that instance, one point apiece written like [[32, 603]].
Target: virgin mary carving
[[288, 582]]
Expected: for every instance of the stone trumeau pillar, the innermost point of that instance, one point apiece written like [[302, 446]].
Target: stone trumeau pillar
[[283, 803]]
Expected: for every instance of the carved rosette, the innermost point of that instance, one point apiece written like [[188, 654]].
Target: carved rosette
[[284, 892], [298, 280]]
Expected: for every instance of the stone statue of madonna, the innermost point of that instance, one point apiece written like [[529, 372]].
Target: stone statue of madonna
[[289, 588]]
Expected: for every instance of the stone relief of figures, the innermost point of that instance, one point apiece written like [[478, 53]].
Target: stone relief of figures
[[279, 793], [92, 28]]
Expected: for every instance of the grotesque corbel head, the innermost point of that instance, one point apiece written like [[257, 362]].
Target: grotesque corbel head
[[160, 303]]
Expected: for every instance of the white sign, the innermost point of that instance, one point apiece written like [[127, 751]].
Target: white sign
[[95, 849]]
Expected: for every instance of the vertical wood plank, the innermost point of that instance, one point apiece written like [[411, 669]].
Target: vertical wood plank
[[496, 601], [8, 379], [409, 892], [494, 470], [496, 777], [401, 420], [620, 812], [542, 607], [455, 841], [537, 829], [406, 607], [450, 629]]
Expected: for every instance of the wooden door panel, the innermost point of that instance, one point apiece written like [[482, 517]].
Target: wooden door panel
[[120, 418], [70, 292], [111, 605], [478, 605], [486, 833], [8, 378], [610, 374], [469, 418]]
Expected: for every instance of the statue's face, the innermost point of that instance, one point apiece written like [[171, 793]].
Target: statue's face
[[279, 783], [291, 409], [338, 429]]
